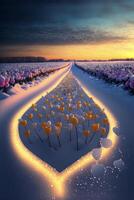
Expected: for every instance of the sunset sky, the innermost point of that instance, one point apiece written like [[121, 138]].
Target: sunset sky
[[68, 29]]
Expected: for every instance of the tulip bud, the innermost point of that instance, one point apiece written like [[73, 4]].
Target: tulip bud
[[95, 127]]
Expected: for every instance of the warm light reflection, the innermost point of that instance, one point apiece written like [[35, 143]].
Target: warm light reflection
[[55, 178]]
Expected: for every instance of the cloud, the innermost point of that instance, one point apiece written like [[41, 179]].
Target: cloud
[[57, 36], [59, 21]]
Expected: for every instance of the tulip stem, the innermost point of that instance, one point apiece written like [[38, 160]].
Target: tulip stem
[[86, 139], [49, 141], [58, 138], [91, 138], [70, 136], [38, 135], [77, 137]]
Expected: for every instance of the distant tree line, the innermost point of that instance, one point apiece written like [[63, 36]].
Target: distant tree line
[[43, 59]]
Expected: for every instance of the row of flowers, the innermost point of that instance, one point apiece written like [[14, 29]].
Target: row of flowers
[[10, 75], [121, 73]]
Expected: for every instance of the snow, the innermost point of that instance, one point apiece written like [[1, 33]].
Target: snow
[[15, 173], [119, 164], [96, 153], [3, 95], [98, 170], [106, 143]]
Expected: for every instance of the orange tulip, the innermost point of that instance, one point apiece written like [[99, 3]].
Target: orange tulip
[[61, 108], [23, 123], [86, 133], [58, 124], [47, 129], [105, 121], [27, 133], [85, 103], [89, 116], [43, 125], [95, 127], [74, 120], [30, 116], [79, 105], [39, 115], [103, 131]]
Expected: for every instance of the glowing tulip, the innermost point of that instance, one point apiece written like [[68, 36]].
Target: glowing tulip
[[33, 105], [27, 134], [30, 116], [79, 106], [23, 123], [74, 120], [105, 121], [86, 133], [95, 127], [58, 124], [89, 116], [48, 130], [43, 125], [103, 131]]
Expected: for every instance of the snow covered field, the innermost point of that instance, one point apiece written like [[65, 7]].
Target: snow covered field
[[120, 73], [103, 180], [16, 77]]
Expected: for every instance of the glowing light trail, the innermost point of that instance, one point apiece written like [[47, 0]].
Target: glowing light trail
[[55, 178]]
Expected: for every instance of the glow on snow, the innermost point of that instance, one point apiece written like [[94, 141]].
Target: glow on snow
[[57, 179]]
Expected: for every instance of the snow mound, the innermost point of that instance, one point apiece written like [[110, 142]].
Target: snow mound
[[98, 170], [96, 153], [119, 164], [3, 95], [15, 90], [116, 130], [106, 143]]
